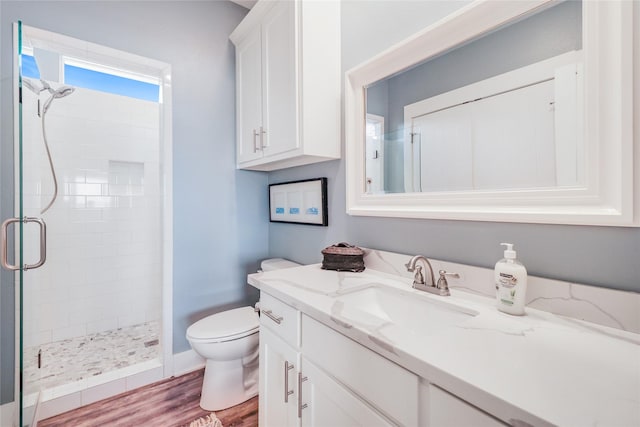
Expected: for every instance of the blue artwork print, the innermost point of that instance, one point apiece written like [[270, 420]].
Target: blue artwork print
[[279, 211], [294, 211], [313, 211]]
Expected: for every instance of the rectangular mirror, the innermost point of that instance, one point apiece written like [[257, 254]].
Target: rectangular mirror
[[502, 111]]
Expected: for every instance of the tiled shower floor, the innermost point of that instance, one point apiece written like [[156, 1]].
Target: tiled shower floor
[[75, 359]]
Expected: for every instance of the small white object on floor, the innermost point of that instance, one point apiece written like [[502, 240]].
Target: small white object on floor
[[207, 421]]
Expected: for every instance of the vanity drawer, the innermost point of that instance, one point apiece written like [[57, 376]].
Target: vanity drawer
[[386, 386], [281, 318]]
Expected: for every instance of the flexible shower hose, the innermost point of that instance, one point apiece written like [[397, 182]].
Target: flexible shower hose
[[53, 170]]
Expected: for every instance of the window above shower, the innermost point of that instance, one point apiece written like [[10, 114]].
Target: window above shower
[[81, 73]]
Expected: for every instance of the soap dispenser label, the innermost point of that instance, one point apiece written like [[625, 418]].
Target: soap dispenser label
[[507, 288], [508, 280]]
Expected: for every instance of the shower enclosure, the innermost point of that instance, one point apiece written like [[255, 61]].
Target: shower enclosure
[[92, 222]]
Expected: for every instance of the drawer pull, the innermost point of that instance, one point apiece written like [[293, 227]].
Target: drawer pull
[[270, 315], [287, 367], [301, 406]]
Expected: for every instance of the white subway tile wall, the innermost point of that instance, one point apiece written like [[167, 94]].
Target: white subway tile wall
[[104, 258]]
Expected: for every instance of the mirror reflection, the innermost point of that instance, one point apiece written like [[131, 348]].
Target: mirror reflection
[[501, 112]]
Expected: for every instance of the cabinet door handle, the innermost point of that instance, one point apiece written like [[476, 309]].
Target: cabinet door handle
[[255, 141], [287, 367], [270, 315], [301, 406], [262, 143]]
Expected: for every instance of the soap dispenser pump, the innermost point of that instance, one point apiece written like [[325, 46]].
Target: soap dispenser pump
[[511, 282]]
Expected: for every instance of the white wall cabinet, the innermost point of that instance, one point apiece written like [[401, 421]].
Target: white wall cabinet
[[248, 96], [313, 376], [288, 84]]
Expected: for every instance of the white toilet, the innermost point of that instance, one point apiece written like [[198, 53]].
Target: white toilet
[[228, 341]]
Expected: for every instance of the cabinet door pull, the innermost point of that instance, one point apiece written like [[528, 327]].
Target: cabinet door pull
[[255, 141], [287, 367], [270, 315], [301, 406], [262, 143]]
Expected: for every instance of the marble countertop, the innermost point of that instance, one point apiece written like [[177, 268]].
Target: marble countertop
[[540, 368]]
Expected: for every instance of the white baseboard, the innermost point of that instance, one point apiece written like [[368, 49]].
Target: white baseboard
[[187, 361], [7, 415]]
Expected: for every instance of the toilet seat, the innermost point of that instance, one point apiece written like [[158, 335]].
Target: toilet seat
[[225, 326]]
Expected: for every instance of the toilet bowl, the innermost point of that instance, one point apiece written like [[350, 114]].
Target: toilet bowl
[[228, 341]]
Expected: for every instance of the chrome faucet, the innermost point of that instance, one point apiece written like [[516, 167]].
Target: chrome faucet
[[418, 279], [440, 288]]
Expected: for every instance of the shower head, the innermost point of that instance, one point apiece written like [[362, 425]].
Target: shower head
[[61, 92]]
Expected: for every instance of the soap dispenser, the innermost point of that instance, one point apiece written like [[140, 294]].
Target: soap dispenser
[[511, 282]]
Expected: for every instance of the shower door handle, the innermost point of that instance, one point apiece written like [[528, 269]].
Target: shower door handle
[[5, 241], [43, 243]]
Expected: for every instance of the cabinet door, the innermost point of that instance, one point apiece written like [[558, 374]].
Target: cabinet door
[[249, 96], [279, 118], [325, 403], [278, 376]]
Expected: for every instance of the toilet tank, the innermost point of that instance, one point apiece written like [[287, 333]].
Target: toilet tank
[[277, 264]]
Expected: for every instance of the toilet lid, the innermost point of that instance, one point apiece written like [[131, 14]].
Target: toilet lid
[[226, 324]]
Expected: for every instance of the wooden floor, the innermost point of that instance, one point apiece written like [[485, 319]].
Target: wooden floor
[[170, 403]]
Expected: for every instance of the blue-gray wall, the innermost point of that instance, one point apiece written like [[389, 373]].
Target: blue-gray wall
[[601, 256], [220, 221]]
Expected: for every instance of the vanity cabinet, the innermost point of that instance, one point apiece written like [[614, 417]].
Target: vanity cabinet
[[326, 403], [293, 390], [313, 376], [279, 363], [287, 84], [389, 388]]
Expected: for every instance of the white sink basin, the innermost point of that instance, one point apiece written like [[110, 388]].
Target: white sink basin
[[408, 312]]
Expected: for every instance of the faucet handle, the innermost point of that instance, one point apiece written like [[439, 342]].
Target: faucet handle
[[442, 281], [418, 278]]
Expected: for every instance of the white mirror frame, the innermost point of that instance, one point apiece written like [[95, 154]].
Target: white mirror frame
[[610, 195]]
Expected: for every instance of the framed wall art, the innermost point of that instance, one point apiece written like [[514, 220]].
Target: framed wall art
[[299, 202]]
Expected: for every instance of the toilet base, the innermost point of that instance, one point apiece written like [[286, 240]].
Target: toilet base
[[229, 383]]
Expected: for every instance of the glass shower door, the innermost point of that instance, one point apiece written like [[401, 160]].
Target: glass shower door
[[89, 185], [19, 257]]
